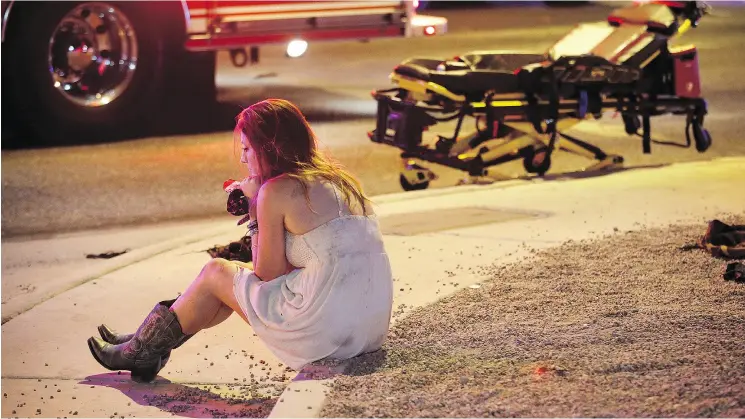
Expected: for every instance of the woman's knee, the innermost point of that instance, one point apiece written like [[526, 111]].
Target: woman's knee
[[219, 275], [218, 272]]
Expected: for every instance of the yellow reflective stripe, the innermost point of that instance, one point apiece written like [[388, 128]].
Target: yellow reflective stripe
[[408, 84], [684, 27], [721, 248], [422, 87], [649, 60], [724, 250], [444, 92], [499, 104]]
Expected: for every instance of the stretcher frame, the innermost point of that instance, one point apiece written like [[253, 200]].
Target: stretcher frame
[[529, 124]]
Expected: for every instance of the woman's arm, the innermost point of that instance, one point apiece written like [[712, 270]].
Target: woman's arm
[[268, 245]]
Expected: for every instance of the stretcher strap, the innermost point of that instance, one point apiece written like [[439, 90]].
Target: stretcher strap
[[646, 133], [553, 103], [492, 123], [582, 104], [534, 113], [689, 121]]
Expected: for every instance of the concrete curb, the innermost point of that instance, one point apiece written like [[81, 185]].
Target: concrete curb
[[305, 394]]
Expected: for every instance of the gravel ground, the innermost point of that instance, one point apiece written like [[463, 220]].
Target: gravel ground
[[631, 325]]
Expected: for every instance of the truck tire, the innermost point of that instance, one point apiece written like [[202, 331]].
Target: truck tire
[[83, 71]]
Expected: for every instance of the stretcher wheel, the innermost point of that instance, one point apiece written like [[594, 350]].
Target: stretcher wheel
[[537, 160], [702, 137], [407, 186]]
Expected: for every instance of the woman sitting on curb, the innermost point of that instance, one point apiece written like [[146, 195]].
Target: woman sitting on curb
[[322, 285]]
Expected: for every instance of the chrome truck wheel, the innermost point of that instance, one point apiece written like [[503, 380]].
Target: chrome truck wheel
[[81, 72], [93, 54]]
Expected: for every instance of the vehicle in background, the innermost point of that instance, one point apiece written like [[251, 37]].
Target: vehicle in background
[[85, 71], [422, 5]]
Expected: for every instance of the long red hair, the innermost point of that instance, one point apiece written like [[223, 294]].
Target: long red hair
[[285, 144]]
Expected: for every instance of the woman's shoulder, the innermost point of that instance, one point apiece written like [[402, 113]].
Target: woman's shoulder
[[286, 190], [281, 185], [275, 194]]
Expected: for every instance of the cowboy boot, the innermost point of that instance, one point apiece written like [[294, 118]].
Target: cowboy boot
[[143, 354], [112, 337], [109, 335]]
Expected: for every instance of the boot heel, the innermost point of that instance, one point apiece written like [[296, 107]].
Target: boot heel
[[146, 375]]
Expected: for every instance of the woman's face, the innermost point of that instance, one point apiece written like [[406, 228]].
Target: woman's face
[[249, 157]]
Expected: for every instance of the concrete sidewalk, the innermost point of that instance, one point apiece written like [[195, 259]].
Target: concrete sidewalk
[[438, 241]]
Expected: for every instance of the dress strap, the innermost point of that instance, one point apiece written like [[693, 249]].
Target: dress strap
[[338, 201]]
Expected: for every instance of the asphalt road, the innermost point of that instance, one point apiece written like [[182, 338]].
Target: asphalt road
[[178, 175]]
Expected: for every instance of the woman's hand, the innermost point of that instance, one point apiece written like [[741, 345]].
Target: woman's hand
[[250, 187]]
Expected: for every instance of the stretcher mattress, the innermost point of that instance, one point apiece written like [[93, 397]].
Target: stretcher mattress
[[630, 37], [461, 82], [540, 78]]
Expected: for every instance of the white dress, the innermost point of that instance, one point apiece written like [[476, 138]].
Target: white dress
[[337, 304]]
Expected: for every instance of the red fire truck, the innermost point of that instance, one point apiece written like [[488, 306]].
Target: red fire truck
[[77, 71]]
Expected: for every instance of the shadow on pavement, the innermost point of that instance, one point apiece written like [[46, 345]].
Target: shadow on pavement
[[602, 172], [580, 174], [182, 400]]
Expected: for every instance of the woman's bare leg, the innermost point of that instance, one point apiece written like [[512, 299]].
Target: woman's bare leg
[[202, 304], [222, 314]]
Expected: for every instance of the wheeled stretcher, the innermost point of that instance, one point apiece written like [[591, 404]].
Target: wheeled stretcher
[[523, 102]]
